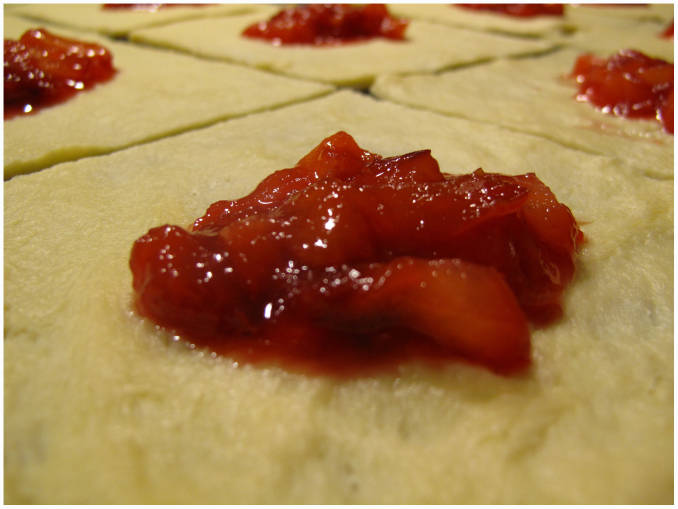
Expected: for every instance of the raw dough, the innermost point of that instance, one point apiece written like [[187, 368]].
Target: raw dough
[[155, 94], [478, 20], [532, 95], [119, 23], [101, 408], [429, 47]]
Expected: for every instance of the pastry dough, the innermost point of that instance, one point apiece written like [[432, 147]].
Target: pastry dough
[[154, 94], [478, 20], [533, 95], [101, 408], [429, 47], [118, 23]]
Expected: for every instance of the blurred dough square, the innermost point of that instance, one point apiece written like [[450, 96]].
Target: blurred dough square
[[428, 47], [119, 22], [534, 96], [478, 20], [154, 94]]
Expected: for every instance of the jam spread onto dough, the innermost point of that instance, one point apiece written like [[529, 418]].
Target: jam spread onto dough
[[628, 84], [42, 69], [351, 262], [322, 25], [518, 10]]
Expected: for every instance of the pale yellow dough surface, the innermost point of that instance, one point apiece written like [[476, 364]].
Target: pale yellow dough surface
[[533, 95], [429, 47], [91, 16], [478, 20], [101, 408], [154, 94]]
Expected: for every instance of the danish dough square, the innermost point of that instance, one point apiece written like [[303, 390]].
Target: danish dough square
[[535, 96], [154, 94], [428, 47], [102, 407]]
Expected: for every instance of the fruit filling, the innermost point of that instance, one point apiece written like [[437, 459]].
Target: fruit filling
[[42, 69], [668, 32], [323, 25], [351, 262], [518, 10], [628, 84]]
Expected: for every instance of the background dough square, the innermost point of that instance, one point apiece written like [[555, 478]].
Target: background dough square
[[118, 23], [429, 47], [154, 94], [477, 20], [533, 95], [100, 407]]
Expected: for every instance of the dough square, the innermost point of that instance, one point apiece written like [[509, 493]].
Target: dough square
[[534, 96], [154, 94], [456, 16], [100, 407], [429, 47], [119, 22]]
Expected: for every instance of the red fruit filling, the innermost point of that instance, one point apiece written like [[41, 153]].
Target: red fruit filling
[[668, 33], [518, 10], [334, 24], [629, 84], [42, 69], [351, 262]]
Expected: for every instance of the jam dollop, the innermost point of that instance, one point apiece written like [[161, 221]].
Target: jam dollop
[[629, 84], [351, 262], [42, 69], [518, 10], [322, 25], [668, 32]]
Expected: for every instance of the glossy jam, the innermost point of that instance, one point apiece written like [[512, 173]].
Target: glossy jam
[[351, 263], [322, 25], [629, 84], [518, 10], [42, 69]]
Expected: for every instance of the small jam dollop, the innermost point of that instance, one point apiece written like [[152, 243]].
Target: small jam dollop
[[351, 262], [323, 25], [668, 32], [629, 84], [42, 69], [518, 10]]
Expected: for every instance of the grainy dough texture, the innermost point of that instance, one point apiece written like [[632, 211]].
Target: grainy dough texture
[[101, 408], [154, 94], [428, 47], [535, 95]]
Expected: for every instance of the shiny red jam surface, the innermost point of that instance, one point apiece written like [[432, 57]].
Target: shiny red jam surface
[[42, 69], [322, 25], [629, 84], [351, 263], [518, 10]]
